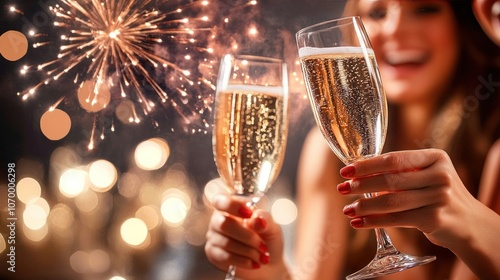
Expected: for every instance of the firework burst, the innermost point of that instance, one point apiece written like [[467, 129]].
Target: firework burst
[[126, 57]]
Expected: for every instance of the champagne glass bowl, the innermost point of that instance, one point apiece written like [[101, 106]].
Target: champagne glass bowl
[[350, 108], [251, 125]]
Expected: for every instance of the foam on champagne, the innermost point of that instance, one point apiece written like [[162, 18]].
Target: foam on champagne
[[270, 90], [312, 51]]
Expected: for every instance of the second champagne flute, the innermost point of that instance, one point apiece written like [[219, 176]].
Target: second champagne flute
[[251, 124], [349, 105]]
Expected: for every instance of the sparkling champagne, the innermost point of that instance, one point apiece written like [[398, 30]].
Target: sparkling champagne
[[250, 137], [346, 98]]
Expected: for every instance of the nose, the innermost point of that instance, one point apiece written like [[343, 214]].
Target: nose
[[395, 23]]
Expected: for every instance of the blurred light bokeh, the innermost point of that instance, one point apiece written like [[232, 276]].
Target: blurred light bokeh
[[135, 201]]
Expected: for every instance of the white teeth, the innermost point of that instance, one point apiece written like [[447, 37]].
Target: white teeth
[[400, 57]]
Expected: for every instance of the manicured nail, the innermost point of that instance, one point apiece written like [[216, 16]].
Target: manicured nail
[[261, 223], [263, 248], [245, 212], [349, 210], [344, 188], [357, 222], [265, 258], [348, 171], [255, 265]]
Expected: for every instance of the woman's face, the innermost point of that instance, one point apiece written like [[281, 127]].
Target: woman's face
[[416, 45]]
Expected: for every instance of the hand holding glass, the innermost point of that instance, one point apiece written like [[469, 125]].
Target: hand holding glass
[[350, 108], [250, 129]]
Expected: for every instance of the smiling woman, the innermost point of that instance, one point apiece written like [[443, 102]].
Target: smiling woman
[[439, 72]]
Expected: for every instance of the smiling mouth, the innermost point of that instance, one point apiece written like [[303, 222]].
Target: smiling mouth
[[405, 58]]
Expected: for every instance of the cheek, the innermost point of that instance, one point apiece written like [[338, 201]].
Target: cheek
[[445, 58]]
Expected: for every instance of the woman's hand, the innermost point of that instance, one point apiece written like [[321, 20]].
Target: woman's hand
[[248, 239], [418, 189], [421, 189]]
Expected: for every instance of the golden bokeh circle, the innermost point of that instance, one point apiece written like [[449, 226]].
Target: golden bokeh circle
[[93, 97], [55, 124], [13, 45]]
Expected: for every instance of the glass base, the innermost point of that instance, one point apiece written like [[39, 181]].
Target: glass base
[[389, 264]]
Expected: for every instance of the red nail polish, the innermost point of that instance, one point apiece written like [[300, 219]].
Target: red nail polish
[[263, 248], [357, 222], [344, 188], [245, 212], [348, 171], [255, 265], [261, 223], [265, 258], [349, 210]]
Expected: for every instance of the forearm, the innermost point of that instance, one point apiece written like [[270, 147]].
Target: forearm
[[479, 249]]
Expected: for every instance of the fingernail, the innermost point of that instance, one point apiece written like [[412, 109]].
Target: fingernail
[[263, 248], [349, 210], [245, 212], [348, 171], [255, 264], [265, 258], [344, 188], [261, 223], [357, 222]]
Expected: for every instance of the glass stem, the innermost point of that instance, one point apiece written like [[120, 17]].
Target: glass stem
[[384, 243]]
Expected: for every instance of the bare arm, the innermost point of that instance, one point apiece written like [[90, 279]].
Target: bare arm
[[489, 195], [322, 230]]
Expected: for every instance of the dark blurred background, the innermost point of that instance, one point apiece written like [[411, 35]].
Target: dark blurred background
[[83, 235]]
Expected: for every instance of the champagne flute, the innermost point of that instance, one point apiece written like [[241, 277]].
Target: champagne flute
[[350, 108], [251, 124]]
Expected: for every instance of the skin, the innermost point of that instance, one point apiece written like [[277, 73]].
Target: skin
[[419, 190], [426, 193], [488, 17]]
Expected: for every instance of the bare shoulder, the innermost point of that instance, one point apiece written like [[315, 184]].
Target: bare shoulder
[[318, 164], [490, 179], [316, 151]]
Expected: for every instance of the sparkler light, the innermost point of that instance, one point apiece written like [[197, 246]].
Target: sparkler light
[[127, 54]]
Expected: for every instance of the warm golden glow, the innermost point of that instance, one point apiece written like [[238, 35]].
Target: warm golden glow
[[79, 261], [134, 231], [35, 214], [152, 154], [150, 215], [61, 216], [2, 244], [28, 189], [36, 235], [72, 182], [55, 124], [99, 261], [128, 185], [102, 175], [87, 201], [284, 211], [214, 187], [125, 112], [93, 96], [175, 207], [13, 45]]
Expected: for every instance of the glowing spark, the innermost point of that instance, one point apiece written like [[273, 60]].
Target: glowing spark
[[119, 42], [146, 52]]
